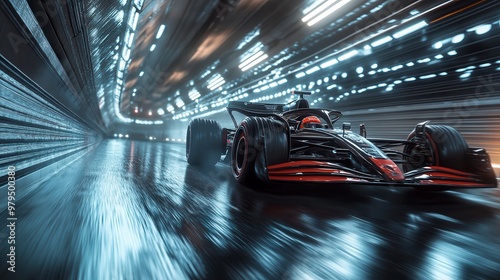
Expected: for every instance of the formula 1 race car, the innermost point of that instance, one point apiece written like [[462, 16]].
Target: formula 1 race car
[[294, 143]]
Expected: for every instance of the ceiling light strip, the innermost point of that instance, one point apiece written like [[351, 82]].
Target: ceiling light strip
[[327, 12], [160, 31], [251, 59], [255, 62], [318, 10]]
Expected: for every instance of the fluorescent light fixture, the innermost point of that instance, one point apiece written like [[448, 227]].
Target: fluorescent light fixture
[[170, 108], [465, 75], [300, 75], [217, 78], [216, 81], [381, 41], [325, 13], [142, 73], [131, 17], [273, 84], [130, 39], [194, 94], [251, 59], [437, 45], [311, 7], [409, 30], [161, 112], [312, 70], [348, 55], [253, 50], [482, 29], [329, 63], [314, 12], [160, 31], [457, 38], [126, 53], [397, 67], [216, 84], [255, 62], [133, 20], [153, 46], [282, 81], [123, 64], [376, 9], [452, 53], [179, 103], [424, 60]]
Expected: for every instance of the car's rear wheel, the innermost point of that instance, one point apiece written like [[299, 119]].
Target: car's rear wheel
[[443, 146], [203, 142], [258, 142]]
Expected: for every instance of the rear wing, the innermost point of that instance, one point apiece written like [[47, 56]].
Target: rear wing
[[253, 109]]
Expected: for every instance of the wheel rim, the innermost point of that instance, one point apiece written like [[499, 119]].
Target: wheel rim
[[418, 156], [240, 157]]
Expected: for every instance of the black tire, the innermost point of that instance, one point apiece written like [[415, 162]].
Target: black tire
[[203, 142], [258, 142], [444, 147]]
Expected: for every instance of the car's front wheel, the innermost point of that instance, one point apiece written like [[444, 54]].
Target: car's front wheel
[[258, 142], [442, 146]]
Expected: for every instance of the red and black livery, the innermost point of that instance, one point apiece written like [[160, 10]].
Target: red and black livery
[[274, 143]]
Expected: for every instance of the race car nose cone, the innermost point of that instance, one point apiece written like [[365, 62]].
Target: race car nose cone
[[389, 168]]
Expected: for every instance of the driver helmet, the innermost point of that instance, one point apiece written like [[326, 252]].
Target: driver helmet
[[310, 122]]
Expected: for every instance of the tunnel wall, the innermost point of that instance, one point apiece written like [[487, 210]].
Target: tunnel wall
[[36, 133], [48, 108]]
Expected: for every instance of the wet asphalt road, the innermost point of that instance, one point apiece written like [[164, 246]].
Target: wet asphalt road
[[136, 210]]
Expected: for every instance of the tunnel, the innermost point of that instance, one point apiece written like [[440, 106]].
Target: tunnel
[[100, 99]]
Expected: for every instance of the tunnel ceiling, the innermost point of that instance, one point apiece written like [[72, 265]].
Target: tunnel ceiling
[[154, 60]]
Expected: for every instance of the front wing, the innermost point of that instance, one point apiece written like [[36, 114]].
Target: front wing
[[327, 172]]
